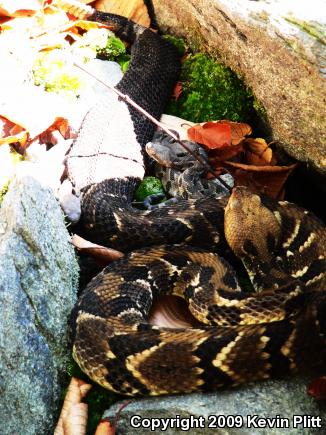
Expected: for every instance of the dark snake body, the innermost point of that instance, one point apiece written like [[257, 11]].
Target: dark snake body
[[243, 337]]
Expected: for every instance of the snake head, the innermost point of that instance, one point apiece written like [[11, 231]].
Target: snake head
[[251, 228]]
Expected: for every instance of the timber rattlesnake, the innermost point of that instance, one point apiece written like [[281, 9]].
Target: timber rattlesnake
[[243, 337]]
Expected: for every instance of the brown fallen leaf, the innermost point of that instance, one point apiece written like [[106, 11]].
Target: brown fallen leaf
[[75, 423], [239, 130], [72, 414], [47, 21], [135, 10], [21, 138], [30, 113], [258, 152], [177, 91], [105, 427], [20, 8], [211, 134], [261, 179], [317, 388], [218, 155], [61, 125], [103, 255]]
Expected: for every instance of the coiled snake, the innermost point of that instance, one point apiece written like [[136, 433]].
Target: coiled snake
[[242, 337]]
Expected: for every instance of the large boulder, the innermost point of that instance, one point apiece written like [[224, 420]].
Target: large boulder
[[238, 411], [38, 286], [278, 48]]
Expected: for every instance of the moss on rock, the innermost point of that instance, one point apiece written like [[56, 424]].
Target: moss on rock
[[211, 91]]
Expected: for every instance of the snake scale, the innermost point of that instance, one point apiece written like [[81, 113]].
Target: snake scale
[[242, 336]]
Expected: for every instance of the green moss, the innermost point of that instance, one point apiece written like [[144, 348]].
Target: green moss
[[114, 48], [260, 110], [148, 186], [179, 43], [53, 72], [98, 400], [211, 91], [124, 61]]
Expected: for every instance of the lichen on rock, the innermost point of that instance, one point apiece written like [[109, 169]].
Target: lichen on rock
[[38, 286]]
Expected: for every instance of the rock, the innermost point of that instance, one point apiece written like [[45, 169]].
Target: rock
[[38, 284], [271, 399], [278, 48]]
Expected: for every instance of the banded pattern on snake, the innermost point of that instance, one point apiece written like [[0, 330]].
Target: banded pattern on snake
[[242, 337]]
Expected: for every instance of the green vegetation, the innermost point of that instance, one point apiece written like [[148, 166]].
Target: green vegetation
[[114, 50], [53, 72], [53, 69], [211, 91], [148, 186], [178, 42]]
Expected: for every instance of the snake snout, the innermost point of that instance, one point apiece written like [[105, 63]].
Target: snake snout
[[243, 198]]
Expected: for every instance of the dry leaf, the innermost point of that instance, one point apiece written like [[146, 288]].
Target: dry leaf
[[177, 91], [21, 138], [61, 125], [19, 8], [135, 10], [239, 130], [220, 154], [75, 422], [77, 390], [261, 179], [258, 152], [12, 133], [317, 388], [49, 20], [36, 112], [86, 25], [105, 428], [101, 253], [211, 134]]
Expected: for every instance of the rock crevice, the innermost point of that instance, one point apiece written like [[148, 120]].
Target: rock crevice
[[279, 59]]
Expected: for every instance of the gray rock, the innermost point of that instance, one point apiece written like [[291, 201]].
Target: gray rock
[[227, 412], [278, 48], [38, 284]]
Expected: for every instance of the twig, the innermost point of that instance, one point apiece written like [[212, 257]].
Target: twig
[[126, 98]]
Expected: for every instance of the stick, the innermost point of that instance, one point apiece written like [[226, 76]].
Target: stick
[[126, 98]]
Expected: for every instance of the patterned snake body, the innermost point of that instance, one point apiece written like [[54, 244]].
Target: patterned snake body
[[242, 337]]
